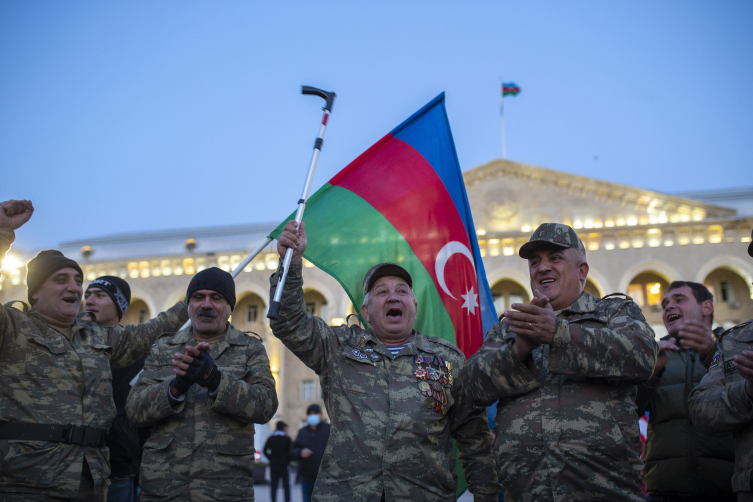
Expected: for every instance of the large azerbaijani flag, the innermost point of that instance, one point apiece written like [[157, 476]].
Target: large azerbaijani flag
[[404, 201]]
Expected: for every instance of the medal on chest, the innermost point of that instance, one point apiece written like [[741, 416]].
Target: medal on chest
[[433, 373]]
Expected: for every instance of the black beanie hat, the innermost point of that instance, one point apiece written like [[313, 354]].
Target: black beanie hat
[[118, 290], [213, 279], [42, 266]]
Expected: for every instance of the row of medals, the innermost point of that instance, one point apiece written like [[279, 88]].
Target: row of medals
[[434, 373]]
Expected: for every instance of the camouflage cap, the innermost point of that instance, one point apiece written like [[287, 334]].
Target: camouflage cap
[[552, 233], [384, 270]]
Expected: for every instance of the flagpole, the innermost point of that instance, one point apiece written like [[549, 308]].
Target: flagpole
[[502, 119]]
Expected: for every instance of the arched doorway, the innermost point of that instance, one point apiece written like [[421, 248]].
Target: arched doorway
[[647, 290], [732, 302], [137, 313], [592, 289], [506, 292], [249, 313]]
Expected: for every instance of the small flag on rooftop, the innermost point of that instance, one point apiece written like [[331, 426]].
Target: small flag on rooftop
[[510, 89]]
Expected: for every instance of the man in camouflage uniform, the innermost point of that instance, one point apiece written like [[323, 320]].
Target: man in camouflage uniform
[[722, 403], [203, 402], [56, 401], [392, 415], [564, 369]]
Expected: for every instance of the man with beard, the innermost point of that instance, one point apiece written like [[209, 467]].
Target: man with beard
[[203, 401], [722, 404], [682, 464], [393, 395], [56, 402], [564, 369]]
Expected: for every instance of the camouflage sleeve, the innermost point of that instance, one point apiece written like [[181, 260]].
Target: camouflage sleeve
[[718, 408], [148, 401], [252, 399], [469, 428], [495, 372], [6, 323], [306, 336], [624, 350], [132, 342]]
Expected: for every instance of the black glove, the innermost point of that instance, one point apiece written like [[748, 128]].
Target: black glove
[[204, 372], [181, 384]]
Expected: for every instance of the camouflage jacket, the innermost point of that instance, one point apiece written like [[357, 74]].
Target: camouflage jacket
[[203, 447], [719, 405], [49, 379], [566, 422], [392, 424]]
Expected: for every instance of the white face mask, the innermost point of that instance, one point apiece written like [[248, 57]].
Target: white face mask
[[313, 419]]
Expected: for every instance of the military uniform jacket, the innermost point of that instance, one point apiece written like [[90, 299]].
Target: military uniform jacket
[[566, 422], [720, 406], [49, 379], [203, 447], [386, 436]]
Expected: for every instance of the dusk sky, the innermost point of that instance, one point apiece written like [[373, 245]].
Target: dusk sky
[[134, 116]]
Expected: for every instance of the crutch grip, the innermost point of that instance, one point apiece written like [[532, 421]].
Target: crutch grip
[[328, 96], [274, 310]]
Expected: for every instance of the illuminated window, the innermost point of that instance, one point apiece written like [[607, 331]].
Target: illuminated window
[[90, 273], [635, 291], [156, 270], [177, 267], [683, 236], [235, 260], [508, 247], [493, 245], [624, 240], [482, 247], [252, 314], [308, 390], [654, 237], [188, 266], [505, 293], [167, 270], [200, 264], [272, 259], [594, 240], [716, 234], [144, 269], [307, 263], [223, 262], [699, 236], [654, 293], [133, 270], [638, 239]]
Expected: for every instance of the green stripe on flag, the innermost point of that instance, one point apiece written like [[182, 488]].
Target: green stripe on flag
[[347, 236]]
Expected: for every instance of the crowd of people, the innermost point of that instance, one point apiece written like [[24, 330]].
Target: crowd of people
[[165, 410]]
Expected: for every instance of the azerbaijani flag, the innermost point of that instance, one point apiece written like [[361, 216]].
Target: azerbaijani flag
[[510, 89], [404, 201]]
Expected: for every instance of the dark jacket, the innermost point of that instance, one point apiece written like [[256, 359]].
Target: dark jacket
[[125, 439], [277, 450], [679, 460], [316, 441]]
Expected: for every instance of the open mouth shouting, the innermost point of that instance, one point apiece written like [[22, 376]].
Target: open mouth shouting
[[673, 317], [394, 314]]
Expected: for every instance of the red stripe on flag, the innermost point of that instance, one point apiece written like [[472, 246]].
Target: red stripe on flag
[[403, 186]]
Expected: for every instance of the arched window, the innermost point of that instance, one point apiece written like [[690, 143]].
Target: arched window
[[732, 302], [507, 292], [137, 313], [316, 304]]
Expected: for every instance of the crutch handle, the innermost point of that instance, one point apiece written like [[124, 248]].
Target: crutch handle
[[328, 96]]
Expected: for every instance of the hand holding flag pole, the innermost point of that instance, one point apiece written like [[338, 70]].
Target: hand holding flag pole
[[274, 307]]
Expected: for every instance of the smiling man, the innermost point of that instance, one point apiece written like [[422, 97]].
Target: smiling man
[[204, 388], [683, 464], [57, 399], [564, 369], [394, 395]]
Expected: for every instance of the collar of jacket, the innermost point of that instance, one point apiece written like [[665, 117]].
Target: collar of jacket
[[233, 336], [584, 304], [419, 343]]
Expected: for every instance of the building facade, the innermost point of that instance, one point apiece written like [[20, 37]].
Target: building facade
[[638, 241]]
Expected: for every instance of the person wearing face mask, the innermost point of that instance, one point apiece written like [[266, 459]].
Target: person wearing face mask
[[106, 300], [393, 395], [204, 388], [682, 464], [564, 369], [309, 447], [56, 398]]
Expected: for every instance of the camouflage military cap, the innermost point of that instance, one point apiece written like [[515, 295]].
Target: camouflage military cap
[[552, 233], [384, 270]]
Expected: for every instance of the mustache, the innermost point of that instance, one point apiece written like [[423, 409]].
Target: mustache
[[206, 313]]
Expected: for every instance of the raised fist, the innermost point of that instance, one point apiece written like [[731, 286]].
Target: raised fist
[[14, 213]]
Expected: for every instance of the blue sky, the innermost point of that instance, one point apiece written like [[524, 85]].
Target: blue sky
[[129, 116]]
